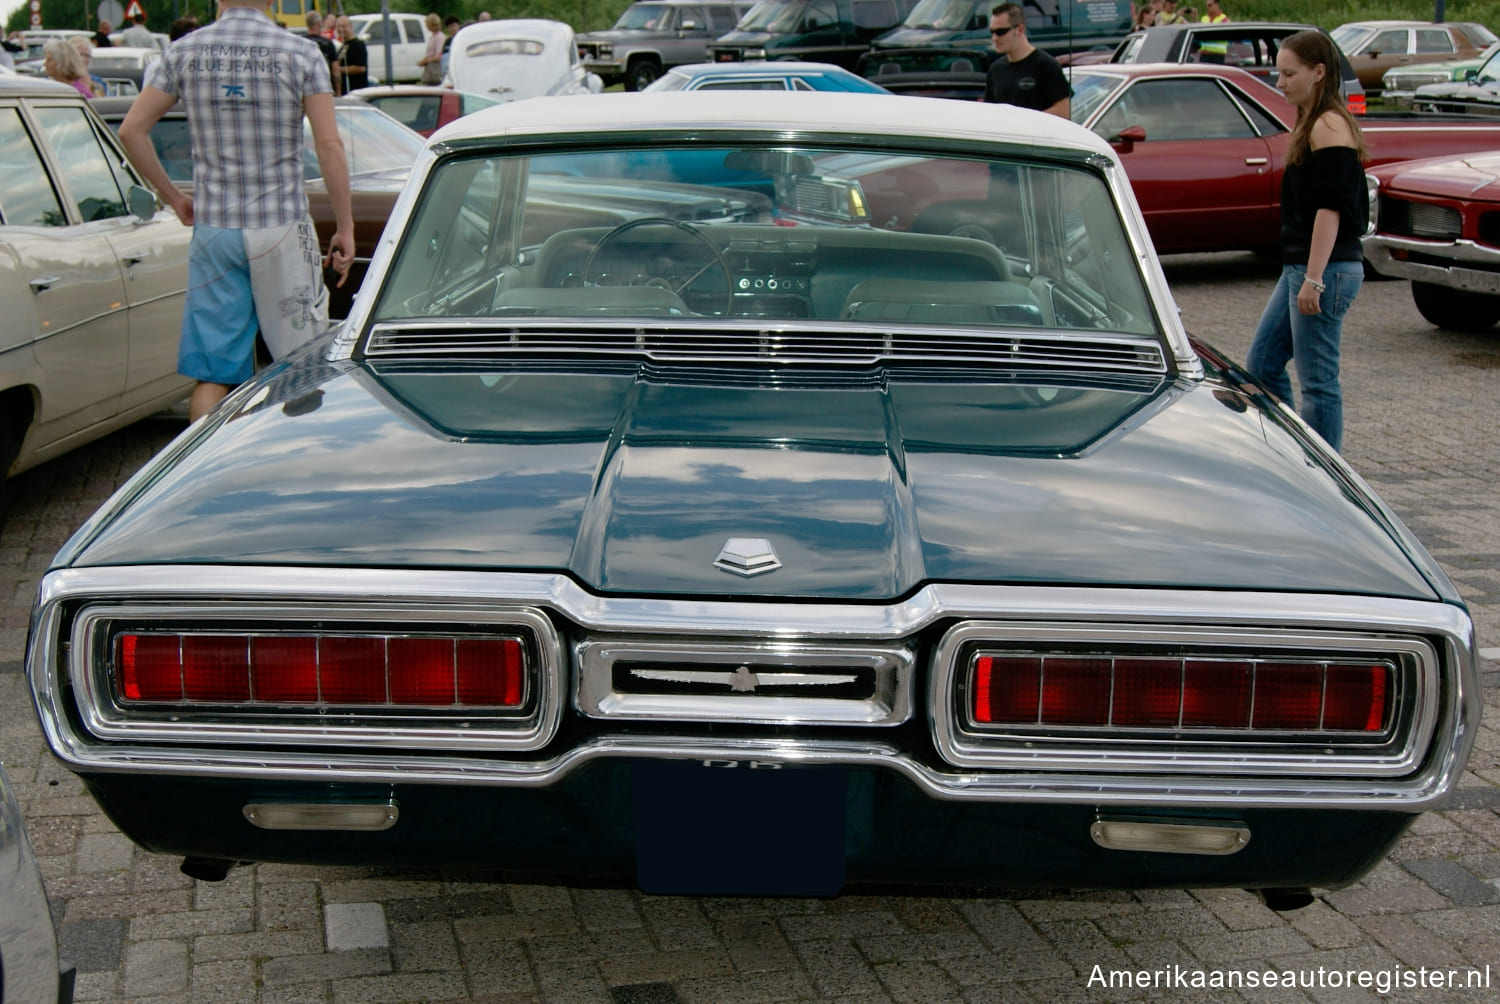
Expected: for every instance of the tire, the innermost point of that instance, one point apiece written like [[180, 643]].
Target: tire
[[641, 74], [1456, 309]]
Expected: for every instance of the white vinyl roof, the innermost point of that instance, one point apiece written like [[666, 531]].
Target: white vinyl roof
[[798, 111]]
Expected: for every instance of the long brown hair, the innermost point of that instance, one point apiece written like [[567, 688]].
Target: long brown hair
[[1314, 48]]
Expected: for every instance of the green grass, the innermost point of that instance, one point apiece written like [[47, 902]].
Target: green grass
[[1330, 14]]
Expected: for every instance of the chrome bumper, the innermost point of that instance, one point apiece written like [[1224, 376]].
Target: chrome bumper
[[1484, 278], [1447, 628]]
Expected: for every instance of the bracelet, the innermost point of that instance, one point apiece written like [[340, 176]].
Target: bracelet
[[1317, 284]]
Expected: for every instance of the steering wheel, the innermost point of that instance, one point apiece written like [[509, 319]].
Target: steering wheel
[[663, 221]]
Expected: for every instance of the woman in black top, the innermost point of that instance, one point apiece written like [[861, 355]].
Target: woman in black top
[[1324, 210]]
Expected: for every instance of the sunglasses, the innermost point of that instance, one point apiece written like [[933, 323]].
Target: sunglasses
[[1001, 32]]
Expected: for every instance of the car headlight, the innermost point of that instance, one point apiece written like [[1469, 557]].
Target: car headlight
[[606, 49], [755, 54], [1372, 193]]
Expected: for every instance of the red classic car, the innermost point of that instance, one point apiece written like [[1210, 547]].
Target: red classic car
[[1205, 146], [423, 107], [1437, 223]]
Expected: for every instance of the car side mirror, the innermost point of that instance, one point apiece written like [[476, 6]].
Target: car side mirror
[[1129, 137], [141, 202], [690, 25], [1470, 76]]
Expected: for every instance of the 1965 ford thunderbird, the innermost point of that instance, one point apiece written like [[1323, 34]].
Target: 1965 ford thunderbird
[[742, 537]]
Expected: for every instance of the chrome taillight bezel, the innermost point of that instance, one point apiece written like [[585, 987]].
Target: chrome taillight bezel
[[1394, 752], [90, 667]]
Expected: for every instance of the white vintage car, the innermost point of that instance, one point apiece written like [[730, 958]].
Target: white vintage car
[[524, 58], [91, 291]]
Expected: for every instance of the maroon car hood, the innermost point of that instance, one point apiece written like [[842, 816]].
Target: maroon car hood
[[1474, 177]]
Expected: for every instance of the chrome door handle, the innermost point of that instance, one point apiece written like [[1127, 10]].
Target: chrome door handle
[[44, 282], [1255, 161]]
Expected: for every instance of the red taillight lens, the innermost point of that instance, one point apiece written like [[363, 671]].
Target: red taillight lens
[[1356, 698], [359, 670], [1161, 693], [1075, 691], [151, 667], [216, 668], [1357, 104]]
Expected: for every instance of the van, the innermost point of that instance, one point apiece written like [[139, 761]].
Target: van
[[955, 34], [654, 36], [291, 13], [827, 31]]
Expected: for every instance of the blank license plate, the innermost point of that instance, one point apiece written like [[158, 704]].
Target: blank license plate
[[735, 830]]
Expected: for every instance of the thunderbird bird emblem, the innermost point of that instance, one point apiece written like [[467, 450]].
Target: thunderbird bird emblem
[[747, 556]]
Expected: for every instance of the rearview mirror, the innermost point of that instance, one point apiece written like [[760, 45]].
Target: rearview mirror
[[769, 162]]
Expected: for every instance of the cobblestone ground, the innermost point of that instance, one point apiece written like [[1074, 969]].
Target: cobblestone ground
[[1422, 413]]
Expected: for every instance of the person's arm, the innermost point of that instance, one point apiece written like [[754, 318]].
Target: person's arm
[[1062, 109], [319, 111], [135, 136]]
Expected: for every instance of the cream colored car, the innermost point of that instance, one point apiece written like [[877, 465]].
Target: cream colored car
[[91, 293]]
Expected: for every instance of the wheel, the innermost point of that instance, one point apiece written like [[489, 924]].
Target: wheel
[[641, 74], [678, 288], [1456, 309]]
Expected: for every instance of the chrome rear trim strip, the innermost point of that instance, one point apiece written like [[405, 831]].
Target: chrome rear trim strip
[[1148, 613]]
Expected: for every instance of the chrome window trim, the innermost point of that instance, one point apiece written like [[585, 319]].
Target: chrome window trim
[[889, 704], [1446, 623], [1038, 748], [394, 727]]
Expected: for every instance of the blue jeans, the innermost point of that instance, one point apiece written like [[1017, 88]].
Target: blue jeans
[[1286, 334]]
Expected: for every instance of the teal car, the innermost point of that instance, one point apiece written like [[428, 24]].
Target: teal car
[[760, 493]]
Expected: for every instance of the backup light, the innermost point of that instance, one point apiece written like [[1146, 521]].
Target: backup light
[[1182, 837], [1237, 695], [335, 669]]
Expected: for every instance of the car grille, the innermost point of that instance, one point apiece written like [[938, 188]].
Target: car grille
[[821, 347], [1419, 219]]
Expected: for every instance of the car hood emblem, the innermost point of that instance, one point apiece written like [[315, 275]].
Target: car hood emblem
[[747, 556]]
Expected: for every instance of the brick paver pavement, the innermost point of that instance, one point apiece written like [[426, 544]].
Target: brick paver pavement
[[1422, 409]]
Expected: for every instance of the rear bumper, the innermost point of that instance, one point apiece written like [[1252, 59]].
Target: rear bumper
[[589, 829]]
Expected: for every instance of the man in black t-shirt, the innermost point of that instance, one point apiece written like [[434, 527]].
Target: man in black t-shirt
[[1026, 76], [353, 57]]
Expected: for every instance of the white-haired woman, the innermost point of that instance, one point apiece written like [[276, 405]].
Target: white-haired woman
[[63, 64]]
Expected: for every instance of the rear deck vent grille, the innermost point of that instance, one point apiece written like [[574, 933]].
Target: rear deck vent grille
[[822, 347]]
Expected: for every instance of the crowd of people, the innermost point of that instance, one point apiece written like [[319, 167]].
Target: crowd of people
[[1157, 12]]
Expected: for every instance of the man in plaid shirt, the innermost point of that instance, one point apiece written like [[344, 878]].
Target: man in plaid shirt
[[245, 84]]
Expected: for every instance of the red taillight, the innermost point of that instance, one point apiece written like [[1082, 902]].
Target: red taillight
[[1356, 104], [359, 670], [1161, 693]]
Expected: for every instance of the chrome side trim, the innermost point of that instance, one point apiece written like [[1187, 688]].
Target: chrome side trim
[[405, 728], [1179, 753], [806, 668], [1447, 625]]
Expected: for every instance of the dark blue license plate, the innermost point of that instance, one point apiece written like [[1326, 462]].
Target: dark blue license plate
[[738, 828]]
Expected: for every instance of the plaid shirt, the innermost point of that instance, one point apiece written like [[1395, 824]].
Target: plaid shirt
[[241, 81]]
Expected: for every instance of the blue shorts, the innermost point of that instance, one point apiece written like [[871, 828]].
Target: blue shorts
[[239, 281]]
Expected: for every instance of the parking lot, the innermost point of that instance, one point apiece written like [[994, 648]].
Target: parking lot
[[1421, 412]]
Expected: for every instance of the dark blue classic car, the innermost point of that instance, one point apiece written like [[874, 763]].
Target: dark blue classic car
[[849, 506]]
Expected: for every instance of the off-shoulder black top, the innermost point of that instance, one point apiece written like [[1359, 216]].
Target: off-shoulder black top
[[1330, 178]]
